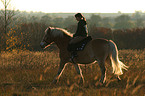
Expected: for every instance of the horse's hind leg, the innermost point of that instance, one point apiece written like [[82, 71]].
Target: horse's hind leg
[[108, 61], [103, 71]]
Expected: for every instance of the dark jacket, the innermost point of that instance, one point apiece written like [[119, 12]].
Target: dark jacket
[[81, 29]]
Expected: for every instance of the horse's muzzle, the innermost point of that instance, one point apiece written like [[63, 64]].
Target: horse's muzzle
[[43, 44]]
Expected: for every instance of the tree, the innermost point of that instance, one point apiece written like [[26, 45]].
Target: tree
[[137, 15], [106, 22], [58, 22], [46, 19], [34, 19], [69, 21], [123, 22], [139, 22], [95, 20], [7, 17]]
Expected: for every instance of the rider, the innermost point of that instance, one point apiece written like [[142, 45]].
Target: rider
[[81, 32]]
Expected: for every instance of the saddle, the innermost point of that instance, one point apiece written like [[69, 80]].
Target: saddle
[[80, 45]]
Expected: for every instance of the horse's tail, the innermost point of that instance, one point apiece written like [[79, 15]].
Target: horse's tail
[[117, 65]]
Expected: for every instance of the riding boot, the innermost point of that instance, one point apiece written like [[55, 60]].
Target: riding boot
[[73, 55]]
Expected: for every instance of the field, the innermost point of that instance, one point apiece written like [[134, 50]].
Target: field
[[27, 73]]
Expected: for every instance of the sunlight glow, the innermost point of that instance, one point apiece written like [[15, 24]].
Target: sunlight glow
[[90, 6]]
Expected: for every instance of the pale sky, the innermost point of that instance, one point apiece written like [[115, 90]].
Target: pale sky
[[83, 6]]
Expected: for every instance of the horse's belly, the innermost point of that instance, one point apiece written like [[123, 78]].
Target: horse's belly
[[86, 61], [84, 58]]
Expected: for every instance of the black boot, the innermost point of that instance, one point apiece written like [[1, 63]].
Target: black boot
[[73, 55]]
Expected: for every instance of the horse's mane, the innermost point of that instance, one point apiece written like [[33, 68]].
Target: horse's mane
[[60, 32]]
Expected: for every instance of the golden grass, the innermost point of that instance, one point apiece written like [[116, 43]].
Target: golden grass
[[27, 73]]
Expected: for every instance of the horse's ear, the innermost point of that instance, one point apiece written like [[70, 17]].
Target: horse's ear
[[49, 28]]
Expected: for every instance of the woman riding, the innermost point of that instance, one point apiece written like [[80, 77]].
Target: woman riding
[[81, 32]]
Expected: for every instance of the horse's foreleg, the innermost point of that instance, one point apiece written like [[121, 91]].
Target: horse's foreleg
[[103, 71], [79, 71], [60, 70]]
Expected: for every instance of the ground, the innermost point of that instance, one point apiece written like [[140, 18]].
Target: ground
[[28, 73]]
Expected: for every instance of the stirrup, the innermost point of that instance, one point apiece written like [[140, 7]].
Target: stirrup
[[73, 55], [72, 60]]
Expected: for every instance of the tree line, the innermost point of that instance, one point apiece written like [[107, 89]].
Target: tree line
[[20, 30]]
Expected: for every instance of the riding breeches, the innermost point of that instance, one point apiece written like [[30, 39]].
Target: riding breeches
[[76, 39]]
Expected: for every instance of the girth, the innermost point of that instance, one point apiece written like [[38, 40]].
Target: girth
[[80, 45]]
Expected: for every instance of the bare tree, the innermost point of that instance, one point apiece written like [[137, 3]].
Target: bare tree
[[6, 17]]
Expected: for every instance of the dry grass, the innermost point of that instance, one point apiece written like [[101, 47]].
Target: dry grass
[[21, 71]]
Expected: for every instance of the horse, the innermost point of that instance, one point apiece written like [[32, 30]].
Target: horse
[[100, 50]]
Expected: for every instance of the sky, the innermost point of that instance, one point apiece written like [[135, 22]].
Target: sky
[[82, 6]]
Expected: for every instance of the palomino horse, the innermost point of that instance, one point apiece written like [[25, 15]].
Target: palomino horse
[[100, 50]]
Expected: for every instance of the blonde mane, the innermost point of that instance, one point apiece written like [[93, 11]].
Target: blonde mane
[[60, 32]]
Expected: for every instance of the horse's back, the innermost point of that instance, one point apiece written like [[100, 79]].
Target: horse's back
[[99, 42]]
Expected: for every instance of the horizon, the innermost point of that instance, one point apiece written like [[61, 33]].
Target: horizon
[[75, 6]]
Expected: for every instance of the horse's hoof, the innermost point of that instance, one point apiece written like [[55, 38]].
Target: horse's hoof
[[99, 84], [81, 82], [103, 81], [119, 79]]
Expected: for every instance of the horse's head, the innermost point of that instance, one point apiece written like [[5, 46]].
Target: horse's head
[[57, 35], [47, 39]]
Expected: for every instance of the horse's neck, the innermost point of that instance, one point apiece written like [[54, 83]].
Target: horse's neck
[[62, 43]]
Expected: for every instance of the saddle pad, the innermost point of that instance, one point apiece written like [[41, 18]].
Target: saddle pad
[[80, 45]]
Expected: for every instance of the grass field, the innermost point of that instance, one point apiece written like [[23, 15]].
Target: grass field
[[26, 73]]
